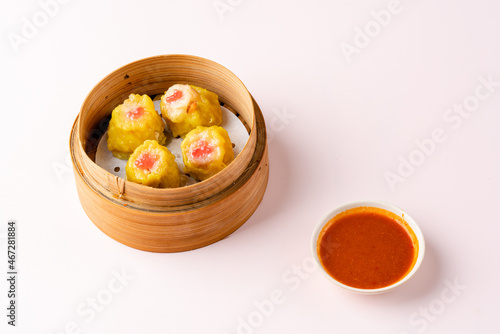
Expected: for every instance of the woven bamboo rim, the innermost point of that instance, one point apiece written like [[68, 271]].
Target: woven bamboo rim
[[169, 220]]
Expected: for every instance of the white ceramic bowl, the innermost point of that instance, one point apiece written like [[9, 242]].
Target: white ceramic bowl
[[411, 223]]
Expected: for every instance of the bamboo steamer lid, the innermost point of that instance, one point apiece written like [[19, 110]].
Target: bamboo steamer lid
[[169, 220]]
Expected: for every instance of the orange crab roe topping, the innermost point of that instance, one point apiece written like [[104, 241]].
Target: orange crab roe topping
[[135, 113], [175, 96], [202, 150], [146, 161]]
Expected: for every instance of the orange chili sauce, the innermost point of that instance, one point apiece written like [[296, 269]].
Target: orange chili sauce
[[367, 248]]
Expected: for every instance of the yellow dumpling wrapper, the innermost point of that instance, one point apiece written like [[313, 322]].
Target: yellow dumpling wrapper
[[184, 107], [206, 151], [133, 122], [153, 165]]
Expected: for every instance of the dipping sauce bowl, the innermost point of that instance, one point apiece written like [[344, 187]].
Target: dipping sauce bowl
[[368, 247]]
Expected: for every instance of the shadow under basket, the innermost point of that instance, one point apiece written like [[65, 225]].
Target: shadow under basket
[[178, 219]]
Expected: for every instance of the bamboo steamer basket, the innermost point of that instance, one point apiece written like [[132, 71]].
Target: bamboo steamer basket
[[169, 220]]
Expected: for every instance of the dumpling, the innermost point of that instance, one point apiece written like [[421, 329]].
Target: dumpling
[[206, 151], [133, 122], [153, 165], [184, 107]]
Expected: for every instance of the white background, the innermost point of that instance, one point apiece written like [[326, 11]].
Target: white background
[[338, 125]]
